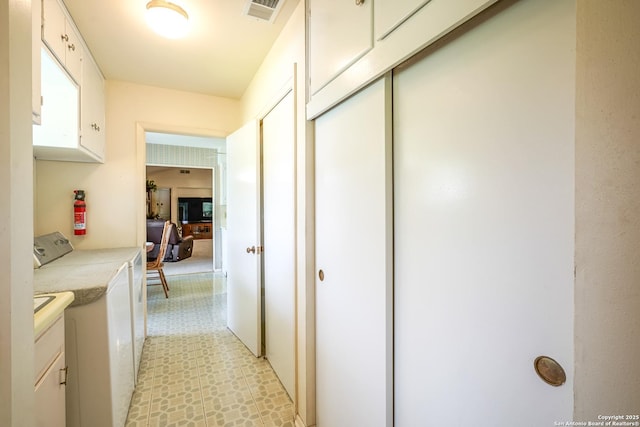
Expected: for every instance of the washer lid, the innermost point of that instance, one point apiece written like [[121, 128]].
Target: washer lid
[[49, 247]]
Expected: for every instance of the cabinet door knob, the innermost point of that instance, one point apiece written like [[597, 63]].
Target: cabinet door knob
[[359, 2], [251, 250], [72, 47], [64, 37]]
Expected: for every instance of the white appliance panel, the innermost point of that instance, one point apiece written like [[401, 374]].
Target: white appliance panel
[[99, 346], [137, 299], [120, 345]]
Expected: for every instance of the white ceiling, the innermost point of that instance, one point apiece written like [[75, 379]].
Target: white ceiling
[[219, 56]]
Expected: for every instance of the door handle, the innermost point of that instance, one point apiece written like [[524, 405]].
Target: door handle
[[251, 250], [64, 372]]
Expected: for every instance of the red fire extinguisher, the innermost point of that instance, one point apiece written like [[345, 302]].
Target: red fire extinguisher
[[79, 213]]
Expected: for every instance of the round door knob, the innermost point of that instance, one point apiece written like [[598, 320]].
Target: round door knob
[[549, 371], [321, 275], [251, 250]]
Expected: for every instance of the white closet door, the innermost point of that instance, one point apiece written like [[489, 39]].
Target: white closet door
[[244, 301], [353, 252], [484, 223], [278, 169]]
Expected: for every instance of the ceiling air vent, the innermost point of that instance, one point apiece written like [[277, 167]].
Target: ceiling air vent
[[265, 10]]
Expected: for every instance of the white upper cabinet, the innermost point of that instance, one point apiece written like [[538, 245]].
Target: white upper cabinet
[[71, 124], [60, 36], [390, 14], [92, 114], [354, 42], [341, 32], [58, 137]]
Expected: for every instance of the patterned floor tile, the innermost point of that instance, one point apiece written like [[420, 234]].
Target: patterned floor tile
[[195, 372]]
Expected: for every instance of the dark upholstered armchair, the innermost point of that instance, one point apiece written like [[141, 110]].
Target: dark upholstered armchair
[[178, 248]]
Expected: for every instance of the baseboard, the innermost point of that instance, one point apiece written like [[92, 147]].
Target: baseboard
[[300, 423]]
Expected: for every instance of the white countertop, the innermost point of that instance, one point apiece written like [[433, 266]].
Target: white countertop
[[85, 273], [50, 312]]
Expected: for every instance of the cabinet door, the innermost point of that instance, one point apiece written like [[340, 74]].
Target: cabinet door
[[340, 32], [60, 101], [390, 14], [50, 396], [353, 255], [73, 52], [54, 28], [60, 36], [92, 109]]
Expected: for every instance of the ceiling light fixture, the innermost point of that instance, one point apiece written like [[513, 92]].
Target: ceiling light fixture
[[167, 19]]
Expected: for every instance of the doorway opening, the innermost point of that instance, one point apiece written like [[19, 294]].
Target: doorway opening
[[185, 185]]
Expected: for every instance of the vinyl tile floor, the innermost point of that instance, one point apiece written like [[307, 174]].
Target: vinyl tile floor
[[194, 371]]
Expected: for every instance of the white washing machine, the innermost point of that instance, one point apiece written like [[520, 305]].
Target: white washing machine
[[138, 300], [100, 357]]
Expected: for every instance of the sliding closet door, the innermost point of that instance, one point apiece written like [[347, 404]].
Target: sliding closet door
[[484, 223], [353, 258]]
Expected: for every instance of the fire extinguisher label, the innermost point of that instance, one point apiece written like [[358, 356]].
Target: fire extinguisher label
[[80, 221]]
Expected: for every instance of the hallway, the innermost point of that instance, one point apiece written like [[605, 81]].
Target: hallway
[[194, 371]]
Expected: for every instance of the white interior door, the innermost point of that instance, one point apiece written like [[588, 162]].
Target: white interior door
[[278, 172], [353, 252], [484, 223], [243, 236]]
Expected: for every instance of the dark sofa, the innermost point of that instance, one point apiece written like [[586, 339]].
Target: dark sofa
[[177, 249]]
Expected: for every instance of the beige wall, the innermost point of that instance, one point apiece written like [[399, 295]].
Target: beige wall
[[607, 324], [116, 190], [277, 69], [168, 177], [16, 223], [264, 91]]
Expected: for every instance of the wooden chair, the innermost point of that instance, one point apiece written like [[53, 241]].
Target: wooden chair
[[156, 265]]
